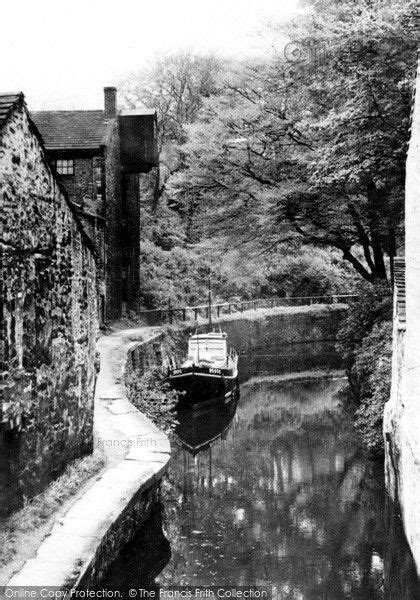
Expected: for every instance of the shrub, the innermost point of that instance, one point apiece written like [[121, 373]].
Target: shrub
[[151, 394], [310, 272], [373, 370], [373, 306], [365, 343]]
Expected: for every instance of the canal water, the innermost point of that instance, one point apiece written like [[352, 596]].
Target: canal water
[[274, 491]]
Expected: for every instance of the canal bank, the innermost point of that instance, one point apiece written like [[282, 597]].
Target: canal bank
[[86, 538], [106, 516]]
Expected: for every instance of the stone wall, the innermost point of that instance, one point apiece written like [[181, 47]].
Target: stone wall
[[286, 325], [114, 259], [86, 539], [257, 335], [131, 241], [49, 313], [402, 412]]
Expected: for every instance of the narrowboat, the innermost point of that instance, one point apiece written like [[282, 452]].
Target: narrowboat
[[209, 373]]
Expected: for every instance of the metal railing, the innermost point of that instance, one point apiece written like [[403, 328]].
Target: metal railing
[[188, 313]]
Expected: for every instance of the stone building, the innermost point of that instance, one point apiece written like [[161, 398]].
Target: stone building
[[99, 156], [49, 310], [402, 411]]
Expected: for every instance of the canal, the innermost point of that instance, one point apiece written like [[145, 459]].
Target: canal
[[274, 491]]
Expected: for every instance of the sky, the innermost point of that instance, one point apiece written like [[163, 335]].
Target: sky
[[61, 53]]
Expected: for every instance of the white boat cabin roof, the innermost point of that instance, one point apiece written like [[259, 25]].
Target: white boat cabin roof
[[213, 335]]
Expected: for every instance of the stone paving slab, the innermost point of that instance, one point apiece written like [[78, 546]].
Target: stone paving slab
[[69, 544], [119, 406], [149, 442], [153, 457], [86, 529], [43, 572]]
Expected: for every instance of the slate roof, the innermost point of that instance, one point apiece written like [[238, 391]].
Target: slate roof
[[8, 101], [399, 281], [72, 129]]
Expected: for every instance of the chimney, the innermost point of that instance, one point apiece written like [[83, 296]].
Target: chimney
[[110, 98]]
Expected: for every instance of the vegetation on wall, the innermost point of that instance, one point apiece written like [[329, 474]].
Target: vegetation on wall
[[151, 394], [365, 343]]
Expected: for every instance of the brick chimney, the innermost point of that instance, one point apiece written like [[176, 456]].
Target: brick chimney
[[110, 101]]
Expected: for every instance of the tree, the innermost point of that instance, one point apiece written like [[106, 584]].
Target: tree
[[175, 85], [312, 144]]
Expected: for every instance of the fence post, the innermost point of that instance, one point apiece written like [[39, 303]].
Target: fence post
[[218, 311], [195, 313], [184, 314], [230, 309]]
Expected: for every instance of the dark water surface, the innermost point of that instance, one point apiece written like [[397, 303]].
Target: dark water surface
[[274, 491]]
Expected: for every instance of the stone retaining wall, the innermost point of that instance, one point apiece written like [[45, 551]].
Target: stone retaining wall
[[402, 412], [292, 325]]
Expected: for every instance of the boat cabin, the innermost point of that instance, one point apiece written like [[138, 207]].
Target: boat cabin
[[207, 347]]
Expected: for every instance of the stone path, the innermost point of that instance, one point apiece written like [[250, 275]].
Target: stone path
[[137, 453]]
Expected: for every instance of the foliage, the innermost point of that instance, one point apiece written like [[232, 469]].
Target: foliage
[[315, 153], [309, 272], [178, 277], [278, 155], [373, 306], [151, 394], [175, 85], [365, 343], [373, 370]]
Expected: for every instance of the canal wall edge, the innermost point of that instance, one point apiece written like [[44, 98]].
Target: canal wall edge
[[402, 412], [83, 543], [401, 439]]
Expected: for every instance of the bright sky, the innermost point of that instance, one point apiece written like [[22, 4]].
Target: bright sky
[[61, 53]]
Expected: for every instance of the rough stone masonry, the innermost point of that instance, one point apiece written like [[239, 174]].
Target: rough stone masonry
[[49, 325], [402, 411]]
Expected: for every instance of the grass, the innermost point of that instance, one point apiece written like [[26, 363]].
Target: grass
[[39, 510]]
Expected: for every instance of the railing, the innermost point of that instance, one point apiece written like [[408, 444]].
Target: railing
[[187, 313]]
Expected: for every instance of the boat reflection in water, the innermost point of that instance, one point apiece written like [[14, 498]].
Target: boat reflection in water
[[199, 429]]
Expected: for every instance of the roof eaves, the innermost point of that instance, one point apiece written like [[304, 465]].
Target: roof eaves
[[70, 148], [16, 98]]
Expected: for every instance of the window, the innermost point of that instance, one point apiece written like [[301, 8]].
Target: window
[[65, 167]]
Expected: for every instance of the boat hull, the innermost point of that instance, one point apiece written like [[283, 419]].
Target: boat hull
[[201, 386]]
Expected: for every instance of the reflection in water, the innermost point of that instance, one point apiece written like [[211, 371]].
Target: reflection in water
[[11, 496], [142, 559], [274, 359], [198, 430], [401, 581], [275, 491], [286, 499]]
